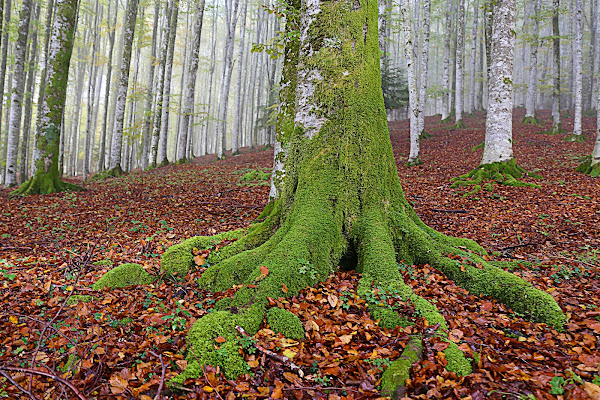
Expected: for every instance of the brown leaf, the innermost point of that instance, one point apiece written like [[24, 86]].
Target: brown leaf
[[284, 288], [332, 299], [592, 390], [220, 339], [264, 270]]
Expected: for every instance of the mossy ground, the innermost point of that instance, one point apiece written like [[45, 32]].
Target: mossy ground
[[574, 138], [505, 173], [110, 173], [285, 322], [587, 168], [124, 275]]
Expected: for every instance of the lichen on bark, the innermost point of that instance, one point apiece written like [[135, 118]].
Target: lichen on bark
[[340, 195]]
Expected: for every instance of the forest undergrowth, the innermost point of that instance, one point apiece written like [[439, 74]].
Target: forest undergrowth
[[127, 343]]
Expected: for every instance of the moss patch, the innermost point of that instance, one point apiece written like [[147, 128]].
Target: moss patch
[[586, 168], [459, 124], [574, 138], [530, 120], [124, 275], [100, 263], [75, 299], [394, 378], [285, 322], [505, 173]]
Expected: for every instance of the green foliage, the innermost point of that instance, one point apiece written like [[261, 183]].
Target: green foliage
[[124, 275], [394, 86], [586, 168], [255, 175], [285, 322], [176, 321]]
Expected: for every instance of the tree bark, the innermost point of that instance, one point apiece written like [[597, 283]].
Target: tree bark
[[446, 73], [578, 69], [460, 73], [237, 123], [46, 178], [424, 66], [533, 79], [556, 125], [150, 89], [413, 99], [90, 95], [14, 122], [472, 87]]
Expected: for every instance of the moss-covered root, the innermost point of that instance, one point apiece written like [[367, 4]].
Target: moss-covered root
[[574, 138], [124, 275], [285, 322], [414, 163], [587, 168], [554, 130], [530, 120], [459, 125], [505, 173], [394, 378], [42, 183], [111, 173], [425, 135]]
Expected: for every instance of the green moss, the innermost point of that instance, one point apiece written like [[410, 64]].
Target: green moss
[[399, 371], [505, 173], [457, 362], [586, 168], [75, 299], [478, 147], [179, 259], [425, 135], [255, 175], [554, 130], [414, 163], [388, 318], [574, 138], [124, 275], [111, 173], [100, 263], [530, 120], [285, 322], [459, 124]]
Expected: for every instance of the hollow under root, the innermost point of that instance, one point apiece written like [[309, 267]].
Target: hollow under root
[[587, 168], [483, 177]]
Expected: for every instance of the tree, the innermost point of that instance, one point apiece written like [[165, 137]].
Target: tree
[[341, 197], [14, 122], [47, 178], [117, 136], [446, 73], [190, 86], [556, 124], [577, 74], [459, 100], [424, 68], [532, 85]]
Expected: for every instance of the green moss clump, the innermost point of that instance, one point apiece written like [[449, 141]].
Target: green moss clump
[[505, 173], [425, 135], [478, 147], [255, 175], [555, 130], [414, 163], [459, 124], [388, 318], [179, 259], [100, 263], [586, 168], [285, 322], [111, 173], [398, 372], [530, 120], [75, 299], [124, 275], [574, 138]]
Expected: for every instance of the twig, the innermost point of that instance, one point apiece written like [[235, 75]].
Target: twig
[[53, 376], [516, 246], [15, 384], [204, 374], [449, 211], [283, 359], [321, 388], [162, 374], [15, 248]]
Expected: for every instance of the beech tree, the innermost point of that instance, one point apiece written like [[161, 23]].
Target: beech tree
[[459, 101], [47, 178], [577, 136], [534, 11], [341, 199]]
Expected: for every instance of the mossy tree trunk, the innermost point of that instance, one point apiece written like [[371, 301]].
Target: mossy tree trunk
[[46, 178], [341, 196]]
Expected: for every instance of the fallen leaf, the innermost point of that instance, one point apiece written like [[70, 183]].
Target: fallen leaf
[[592, 390], [220, 339], [264, 270], [284, 288], [289, 353], [332, 299]]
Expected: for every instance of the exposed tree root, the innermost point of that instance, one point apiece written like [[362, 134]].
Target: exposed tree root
[[42, 183], [110, 173], [395, 376], [555, 130], [182, 161], [424, 135], [530, 120], [414, 163], [459, 124], [448, 119], [574, 138], [504, 173], [587, 168]]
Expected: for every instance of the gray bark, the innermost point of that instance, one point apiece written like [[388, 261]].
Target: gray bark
[[424, 65], [460, 48], [532, 85], [237, 124], [446, 73], [472, 87], [577, 67]]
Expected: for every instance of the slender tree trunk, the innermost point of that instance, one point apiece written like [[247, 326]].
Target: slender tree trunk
[[460, 74], [112, 31], [190, 86], [556, 125], [446, 73], [10, 178], [46, 178], [150, 89], [90, 95], [472, 87], [5, 44], [74, 153], [117, 136], [424, 65], [577, 67], [164, 129], [413, 158], [530, 105], [237, 124], [498, 124], [481, 69]]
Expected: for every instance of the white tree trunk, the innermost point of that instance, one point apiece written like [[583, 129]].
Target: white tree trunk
[[424, 65], [14, 121], [117, 137], [237, 124], [556, 65], [472, 86], [164, 128], [231, 17], [498, 124], [190, 86], [150, 90], [532, 85], [459, 100], [446, 73], [90, 97], [412, 83], [577, 67]]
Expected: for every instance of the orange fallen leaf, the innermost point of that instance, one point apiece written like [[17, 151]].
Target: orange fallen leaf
[[264, 270], [220, 339], [284, 288]]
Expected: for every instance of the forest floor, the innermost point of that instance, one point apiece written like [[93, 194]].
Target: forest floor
[[126, 343]]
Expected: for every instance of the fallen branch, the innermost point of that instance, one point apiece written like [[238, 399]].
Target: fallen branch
[[398, 372], [283, 359], [516, 246], [24, 248], [15, 384], [449, 211], [48, 375], [162, 374]]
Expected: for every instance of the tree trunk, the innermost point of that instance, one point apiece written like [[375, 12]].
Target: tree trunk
[[16, 101], [46, 178], [237, 123], [90, 95], [150, 89], [446, 73], [117, 136], [164, 128], [424, 66], [533, 79], [577, 71], [413, 99], [498, 123], [190, 86], [5, 44], [341, 196], [472, 87], [556, 125], [460, 73]]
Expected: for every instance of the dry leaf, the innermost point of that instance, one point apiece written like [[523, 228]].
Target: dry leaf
[[332, 299], [264, 270], [284, 288], [220, 339], [592, 390]]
